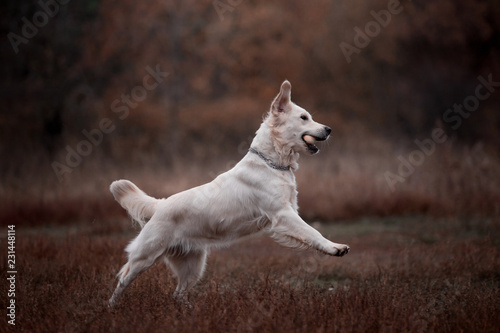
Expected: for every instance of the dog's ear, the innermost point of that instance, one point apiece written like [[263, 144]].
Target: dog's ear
[[282, 102]]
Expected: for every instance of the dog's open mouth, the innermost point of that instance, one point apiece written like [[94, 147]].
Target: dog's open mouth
[[310, 141]]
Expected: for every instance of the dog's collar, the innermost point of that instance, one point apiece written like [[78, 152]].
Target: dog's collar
[[268, 161]]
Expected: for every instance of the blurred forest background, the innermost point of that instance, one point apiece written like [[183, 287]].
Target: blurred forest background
[[225, 62]]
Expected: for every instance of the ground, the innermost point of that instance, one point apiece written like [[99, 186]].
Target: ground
[[413, 273]]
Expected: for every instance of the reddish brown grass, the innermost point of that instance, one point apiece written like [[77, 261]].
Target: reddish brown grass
[[413, 274]]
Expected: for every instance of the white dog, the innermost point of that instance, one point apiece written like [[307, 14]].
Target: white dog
[[258, 195]]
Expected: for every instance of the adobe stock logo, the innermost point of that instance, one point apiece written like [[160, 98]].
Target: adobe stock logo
[[427, 147], [372, 29], [121, 107], [40, 18], [222, 7]]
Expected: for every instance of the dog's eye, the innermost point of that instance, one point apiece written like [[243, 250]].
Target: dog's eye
[[303, 117]]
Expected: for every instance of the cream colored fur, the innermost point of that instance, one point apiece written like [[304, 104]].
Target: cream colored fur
[[251, 198]]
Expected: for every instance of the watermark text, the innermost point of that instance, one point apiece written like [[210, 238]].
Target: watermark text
[[11, 274]]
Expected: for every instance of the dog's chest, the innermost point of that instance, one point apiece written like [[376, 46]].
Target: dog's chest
[[289, 190]]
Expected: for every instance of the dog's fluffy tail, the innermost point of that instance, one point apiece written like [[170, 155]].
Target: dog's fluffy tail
[[138, 204]]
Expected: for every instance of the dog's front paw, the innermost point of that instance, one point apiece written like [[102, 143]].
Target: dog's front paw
[[341, 250]]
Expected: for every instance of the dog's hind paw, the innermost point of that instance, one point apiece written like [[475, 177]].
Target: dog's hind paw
[[181, 300]]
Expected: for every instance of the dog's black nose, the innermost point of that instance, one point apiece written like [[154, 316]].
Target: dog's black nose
[[328, 130]]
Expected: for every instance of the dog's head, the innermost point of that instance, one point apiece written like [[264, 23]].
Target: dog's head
[[293, 125]]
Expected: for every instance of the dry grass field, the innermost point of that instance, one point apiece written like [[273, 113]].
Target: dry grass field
[[404, 274]]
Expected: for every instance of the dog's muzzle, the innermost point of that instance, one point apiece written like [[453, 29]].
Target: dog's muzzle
[[310, 146]]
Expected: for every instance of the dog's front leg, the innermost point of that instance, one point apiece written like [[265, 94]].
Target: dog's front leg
[[290, 230]]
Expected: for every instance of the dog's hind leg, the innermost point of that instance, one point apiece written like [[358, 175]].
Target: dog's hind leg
[[143, 252], [189, 268]]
